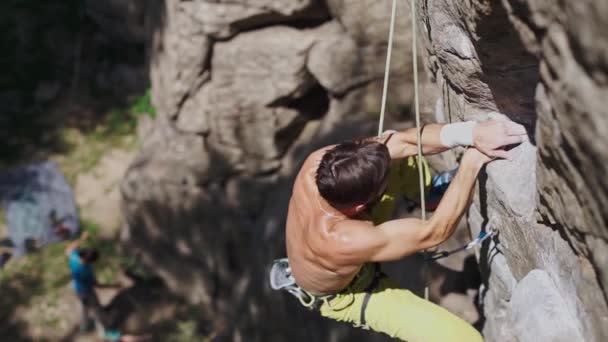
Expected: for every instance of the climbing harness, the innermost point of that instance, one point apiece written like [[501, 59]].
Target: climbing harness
[[378, 275], [282, 279], [481, 237]]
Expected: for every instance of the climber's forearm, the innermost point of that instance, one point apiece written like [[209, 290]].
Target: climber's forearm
[[76, 243], [430, 142], [436, 138], [457, 198]]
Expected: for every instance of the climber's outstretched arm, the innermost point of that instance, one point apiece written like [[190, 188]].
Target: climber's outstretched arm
[[76, 243], [489, 137], [360, 241]]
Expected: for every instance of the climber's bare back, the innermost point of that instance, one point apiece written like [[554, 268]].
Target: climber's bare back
[[312, 235]]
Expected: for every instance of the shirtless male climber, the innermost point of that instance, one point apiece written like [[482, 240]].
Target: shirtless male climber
[[335, 238]]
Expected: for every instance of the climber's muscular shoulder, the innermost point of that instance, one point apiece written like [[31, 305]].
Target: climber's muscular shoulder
[[335, 238]]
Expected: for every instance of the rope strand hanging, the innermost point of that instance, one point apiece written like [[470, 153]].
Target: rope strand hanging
[[416, 105], [419, 136], [387, 68], [417, 109]]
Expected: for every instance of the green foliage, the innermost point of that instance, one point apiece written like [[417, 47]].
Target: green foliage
[[143, 105], [117, 122], [123, 121], [116, 130], [91, 227], [38, 281], [34, 275]]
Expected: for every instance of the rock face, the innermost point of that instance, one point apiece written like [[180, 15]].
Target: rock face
[[543, 64], [246, 89]]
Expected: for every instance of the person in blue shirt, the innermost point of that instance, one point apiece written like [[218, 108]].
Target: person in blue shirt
[[80, 261]]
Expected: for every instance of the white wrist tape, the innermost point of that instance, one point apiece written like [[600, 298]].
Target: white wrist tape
[[457, 134]]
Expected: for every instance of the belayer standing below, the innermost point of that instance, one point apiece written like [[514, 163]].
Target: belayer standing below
[[336, 235], [80, 261]]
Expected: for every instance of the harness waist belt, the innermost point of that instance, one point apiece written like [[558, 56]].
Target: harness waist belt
[[369, 289], [282, 279]]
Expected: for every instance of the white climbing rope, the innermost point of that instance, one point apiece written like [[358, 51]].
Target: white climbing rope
[[416, 107], [387, 68], [417, 110], [419, 138], [416, 102]]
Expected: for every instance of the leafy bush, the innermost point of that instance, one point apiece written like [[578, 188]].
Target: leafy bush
[[143, 105], [123, 121]]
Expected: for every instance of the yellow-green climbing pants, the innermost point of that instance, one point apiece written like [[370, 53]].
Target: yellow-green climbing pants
[[396, 312]]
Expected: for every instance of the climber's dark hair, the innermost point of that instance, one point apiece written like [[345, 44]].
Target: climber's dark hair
[[353, 173], [89, 255]]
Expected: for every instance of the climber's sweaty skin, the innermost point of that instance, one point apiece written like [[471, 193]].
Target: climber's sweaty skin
[[327, 247]]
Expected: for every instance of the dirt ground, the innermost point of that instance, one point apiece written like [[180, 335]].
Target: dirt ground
[[97, 192]]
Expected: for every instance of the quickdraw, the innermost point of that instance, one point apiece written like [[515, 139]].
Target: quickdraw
[[481, 237]]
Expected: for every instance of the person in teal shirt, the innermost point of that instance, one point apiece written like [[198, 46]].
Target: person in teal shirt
[[83, 278], [80, 261]]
